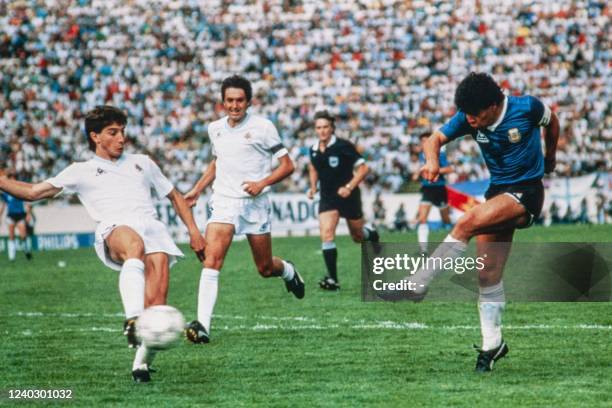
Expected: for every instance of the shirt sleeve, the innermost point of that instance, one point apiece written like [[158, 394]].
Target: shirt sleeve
[[272, 141], [538, 112], [456, 127], [160, 183], [350, 151], [67, 180]]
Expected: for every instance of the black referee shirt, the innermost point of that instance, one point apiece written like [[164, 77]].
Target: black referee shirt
[[335, 165]]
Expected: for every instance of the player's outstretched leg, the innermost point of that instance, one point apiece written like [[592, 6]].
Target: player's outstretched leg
[[131, 288]]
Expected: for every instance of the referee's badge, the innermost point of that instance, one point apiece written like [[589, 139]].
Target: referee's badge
[[334, 161], [514, 135]]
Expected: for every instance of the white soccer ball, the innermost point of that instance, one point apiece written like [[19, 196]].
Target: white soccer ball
[[160, 327]]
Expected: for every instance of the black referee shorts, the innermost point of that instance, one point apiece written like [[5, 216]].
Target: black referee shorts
[[435, 195], [349, 208], [529, 194]]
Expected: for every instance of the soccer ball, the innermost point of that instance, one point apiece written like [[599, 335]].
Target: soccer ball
[[160, 327]]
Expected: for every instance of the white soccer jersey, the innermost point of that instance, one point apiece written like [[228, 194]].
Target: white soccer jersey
[[244, 153], [115, 190]]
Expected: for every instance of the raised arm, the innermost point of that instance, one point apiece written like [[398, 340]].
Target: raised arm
[[207, 178], [28, 191], [196, 240], [431, 149], [551, 137], [284, 169]]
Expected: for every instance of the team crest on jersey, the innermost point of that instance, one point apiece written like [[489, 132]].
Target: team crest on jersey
[[247, 136], [481, 137], [514, 135], [137, 166], [334, 161], [100, 171]]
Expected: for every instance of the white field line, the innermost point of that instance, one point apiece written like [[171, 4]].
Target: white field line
[[267, 323]]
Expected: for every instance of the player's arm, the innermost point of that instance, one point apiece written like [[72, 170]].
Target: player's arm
[[207, 178], [196, 240], [283, 170], [359, 174], [28, 191], [313, 177], [551, 137], [431, 149]]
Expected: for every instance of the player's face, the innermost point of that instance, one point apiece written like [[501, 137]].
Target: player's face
[[110, 141], [235, 104], [324, 129], [485, 118]]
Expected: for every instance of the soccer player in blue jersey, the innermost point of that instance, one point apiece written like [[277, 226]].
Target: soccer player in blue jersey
[[507, 129], [18, 214], [433, 193]]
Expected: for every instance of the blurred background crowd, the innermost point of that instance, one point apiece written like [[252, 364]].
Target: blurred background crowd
[[388, 70]]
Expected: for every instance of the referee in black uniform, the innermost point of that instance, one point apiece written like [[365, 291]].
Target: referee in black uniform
[[339, 168]]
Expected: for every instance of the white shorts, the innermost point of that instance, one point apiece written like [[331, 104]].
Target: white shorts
[[250, 216], [153, 232]]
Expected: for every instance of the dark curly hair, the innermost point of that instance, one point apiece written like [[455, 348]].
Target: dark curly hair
[[100, 117], [236, 81], [476, 92]]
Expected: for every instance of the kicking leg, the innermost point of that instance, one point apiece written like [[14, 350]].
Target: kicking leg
[[423, 228]]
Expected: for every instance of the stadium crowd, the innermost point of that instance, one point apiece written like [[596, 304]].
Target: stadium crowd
[[386, 68]]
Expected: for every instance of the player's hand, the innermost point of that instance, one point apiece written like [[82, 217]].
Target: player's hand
[[430, 172], [344, 192], [198, 244], [253, 187], [191, 198], [311, 193], [549, 165]]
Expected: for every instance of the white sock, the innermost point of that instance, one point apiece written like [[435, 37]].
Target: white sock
[[449, 248], [491, 305], [288, 271], [132, 287], [423, 234], [12, 249], [366, 233], [207, 296], [143, 358]]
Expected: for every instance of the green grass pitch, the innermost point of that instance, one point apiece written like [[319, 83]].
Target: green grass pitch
[[61, 329]]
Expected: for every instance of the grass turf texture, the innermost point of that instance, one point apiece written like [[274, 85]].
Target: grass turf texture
[[61, 329]]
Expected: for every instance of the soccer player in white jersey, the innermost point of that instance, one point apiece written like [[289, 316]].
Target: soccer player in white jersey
[[115, 189], [243, 145]]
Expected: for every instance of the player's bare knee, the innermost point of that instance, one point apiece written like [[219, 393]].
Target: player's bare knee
[[213, 262], [135, 250], [357, 236], [265, 269], [464, 228]]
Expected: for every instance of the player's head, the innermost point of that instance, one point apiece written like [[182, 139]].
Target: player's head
[[105, 127], [479, 97], [325, 125], [236, 94]]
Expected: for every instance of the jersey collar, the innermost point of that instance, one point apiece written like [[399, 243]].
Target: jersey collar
[[501, 116], [331, 142], [113, 163], [240, 125]]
